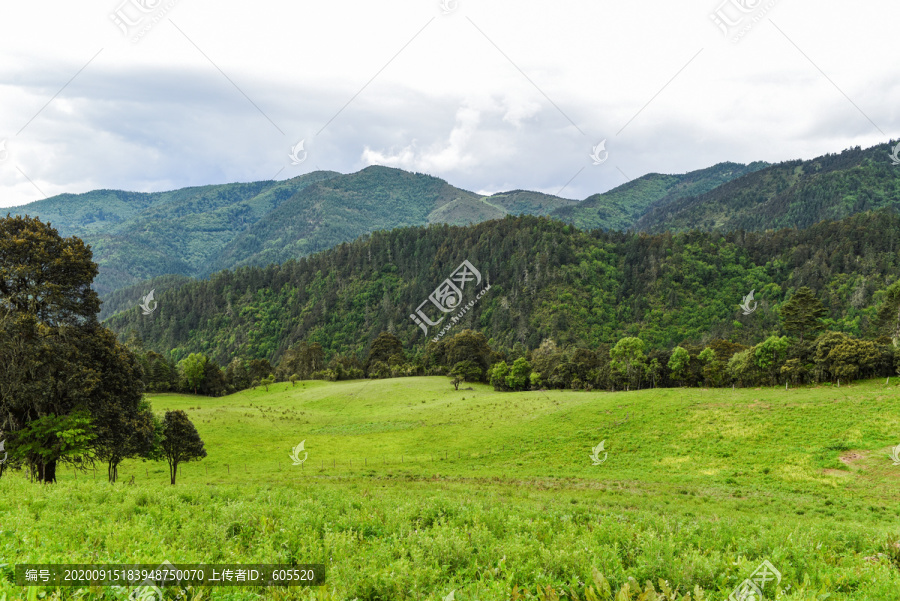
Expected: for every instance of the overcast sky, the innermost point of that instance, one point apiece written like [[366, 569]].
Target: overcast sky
[[152, 95]]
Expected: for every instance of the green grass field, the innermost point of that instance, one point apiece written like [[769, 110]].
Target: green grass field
[[412, 490]]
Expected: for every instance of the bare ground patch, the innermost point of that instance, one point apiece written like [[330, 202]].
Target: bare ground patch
[[851, 457]]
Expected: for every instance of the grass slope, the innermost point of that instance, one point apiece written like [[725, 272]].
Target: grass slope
[[495, 490]]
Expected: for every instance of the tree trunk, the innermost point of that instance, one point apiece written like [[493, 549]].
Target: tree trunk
[[47, 472], [113, 472], [173, 471]]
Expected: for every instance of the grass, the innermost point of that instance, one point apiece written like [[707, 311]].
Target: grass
[[413, 490]]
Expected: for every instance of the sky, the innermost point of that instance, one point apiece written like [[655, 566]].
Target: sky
[[570, 98]]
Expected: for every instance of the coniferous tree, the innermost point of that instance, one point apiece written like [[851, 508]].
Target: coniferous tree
[[803, 313]]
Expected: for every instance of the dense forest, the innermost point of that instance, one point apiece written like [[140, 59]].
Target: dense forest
[[790, 194], [548, 280]]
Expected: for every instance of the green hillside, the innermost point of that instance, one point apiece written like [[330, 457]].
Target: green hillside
[[411, 490], [137, 236], [548, 280], [791, 194], [621, 207], [376, 198], [196, 231]]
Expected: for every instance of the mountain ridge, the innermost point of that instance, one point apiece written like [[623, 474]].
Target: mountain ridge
[[200, 230]]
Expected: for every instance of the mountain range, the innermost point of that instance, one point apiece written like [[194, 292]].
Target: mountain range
[[194, 232]]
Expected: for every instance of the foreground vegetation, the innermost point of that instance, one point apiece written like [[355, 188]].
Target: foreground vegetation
[[413, 490]]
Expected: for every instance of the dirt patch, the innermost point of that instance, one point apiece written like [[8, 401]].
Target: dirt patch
[[850, 457]]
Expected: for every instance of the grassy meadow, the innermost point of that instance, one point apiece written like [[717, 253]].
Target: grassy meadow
[[413, 490]]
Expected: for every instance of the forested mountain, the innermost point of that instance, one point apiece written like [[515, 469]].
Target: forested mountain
[[377, 198], [790, 194], [130, 296], [547, 280], [195, 231], [621, 207], [136, 236]]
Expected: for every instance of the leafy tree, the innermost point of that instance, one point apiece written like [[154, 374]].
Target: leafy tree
[[123, 432], [803, 312], [214, 383], [302, 359], [471, 347], [468, 371], [678, 363], [823, 358], [546, 357], [499, 374], [236, 374], [258, 369], [742, 368], [628, 360], [850, 357], [267, 381], [519, 375], [793, 370], [45, 275], [180, 441], [379, 370], [712, 368], [770, 354], [654, 369], [50, 439], [346, 367], [384, 348], [193, 370]]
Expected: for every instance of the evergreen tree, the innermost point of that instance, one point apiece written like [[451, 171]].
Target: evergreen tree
[[803, 312]]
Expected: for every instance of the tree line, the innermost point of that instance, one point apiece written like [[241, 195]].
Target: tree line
[[803, 351]]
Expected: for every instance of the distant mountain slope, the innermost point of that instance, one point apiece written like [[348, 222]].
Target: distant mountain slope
[[196, 231], [344, 208], [525, 202], [790, 194], [621, 207], [136, 236]]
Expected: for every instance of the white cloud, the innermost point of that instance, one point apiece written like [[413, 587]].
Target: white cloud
[[494, 96]]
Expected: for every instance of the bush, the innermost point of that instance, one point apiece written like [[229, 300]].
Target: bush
[[325, 374]]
